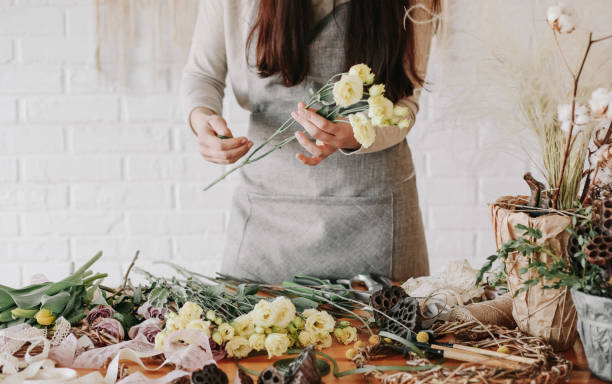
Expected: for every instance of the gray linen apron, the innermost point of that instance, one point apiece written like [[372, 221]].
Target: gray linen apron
[[347, 215]]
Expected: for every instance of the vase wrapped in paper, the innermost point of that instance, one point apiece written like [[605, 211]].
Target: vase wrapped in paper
[[537, 310]]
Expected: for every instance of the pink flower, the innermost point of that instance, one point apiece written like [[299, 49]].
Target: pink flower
[[149, 312], [110, 326], [101, 311], [148, 329]]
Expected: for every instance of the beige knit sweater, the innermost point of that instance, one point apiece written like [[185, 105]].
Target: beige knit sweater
[[218, 50]]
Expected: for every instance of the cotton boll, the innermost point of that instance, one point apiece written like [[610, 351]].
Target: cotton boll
[[581, 115], [566, 24], [600, 101], [553, 13], [564, 112]]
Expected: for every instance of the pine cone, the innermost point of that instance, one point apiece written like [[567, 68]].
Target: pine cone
[[385, 299]]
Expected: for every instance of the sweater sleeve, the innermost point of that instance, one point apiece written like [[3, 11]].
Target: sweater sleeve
[[388, 136], [203, 80]]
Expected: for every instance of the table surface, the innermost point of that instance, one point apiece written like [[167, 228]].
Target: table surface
[[580, 373]]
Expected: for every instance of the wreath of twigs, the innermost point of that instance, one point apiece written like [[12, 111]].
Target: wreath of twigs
[[549, 368]]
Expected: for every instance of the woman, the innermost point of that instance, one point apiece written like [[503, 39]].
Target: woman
[[354, 210]]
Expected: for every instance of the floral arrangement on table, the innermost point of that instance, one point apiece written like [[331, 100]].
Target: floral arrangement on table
[[555, 244], [350, 96]]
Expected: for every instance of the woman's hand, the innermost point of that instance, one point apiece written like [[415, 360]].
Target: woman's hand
[[208, 127], [329, 136]]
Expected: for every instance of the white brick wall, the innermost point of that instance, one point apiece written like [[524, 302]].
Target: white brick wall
[[88, 165]]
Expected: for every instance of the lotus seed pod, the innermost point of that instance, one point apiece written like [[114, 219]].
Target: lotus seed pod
[[209, 374], [385, 299], [405, 318]]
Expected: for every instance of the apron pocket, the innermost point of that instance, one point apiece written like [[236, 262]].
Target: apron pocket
[[328, 237]]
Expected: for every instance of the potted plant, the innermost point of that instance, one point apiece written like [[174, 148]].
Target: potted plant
[[539, 234]]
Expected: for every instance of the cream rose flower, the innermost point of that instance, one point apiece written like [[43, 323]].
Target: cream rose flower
[[307, 338], [201, 325], [284, 311], [346, 335], [257, 341], [400, 111], [226, 331], [160, 338], [363, 131], [377, 90], [363, 72], [277, 344], [238, 347], [404, 123], [320, 322], [309, 312], [263, 314], [190, 311], [380, 110], [244, 325], [348, 90], [324, 340], [174, 322]]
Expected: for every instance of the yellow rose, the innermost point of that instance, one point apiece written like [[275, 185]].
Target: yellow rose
[[346, 335], [160, 338], [380, 110], [348, 90], [307, 338], [44, 317], [404, 123], [201, 325], [320, 322], [238, 347], [324, 340], [190, 311], [226, 331], [277, 344], [363, 72], [363, 131], [257, 341], [263, 314], [400, 111], [174, 322], [377, 90], [284, 311], [244, 325]]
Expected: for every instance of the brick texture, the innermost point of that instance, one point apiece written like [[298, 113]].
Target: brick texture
[[88, 163]]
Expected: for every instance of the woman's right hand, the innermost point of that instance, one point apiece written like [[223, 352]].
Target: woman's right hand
[[208, 127]]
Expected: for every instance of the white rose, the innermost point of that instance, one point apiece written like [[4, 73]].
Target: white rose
[[348, 90], [404, 123], [263, 314], [363, 131], [277, 344], [257, 341], [320, 322], [376, 90], [400, 111], [244, 325], [307, 338], [238, 347], [284, 311], [201, 325], [363, 72], [324, 340], [190, 311], [380, 110]]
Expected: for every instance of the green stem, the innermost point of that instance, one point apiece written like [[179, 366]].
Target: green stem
[[94, 278]]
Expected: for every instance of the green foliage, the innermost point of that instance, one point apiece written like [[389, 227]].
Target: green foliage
[[572, 271]]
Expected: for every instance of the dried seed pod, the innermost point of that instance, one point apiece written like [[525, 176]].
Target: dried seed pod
[[599, 250], [304, 369], [405, 312], [271, 375], [209, 374], [243, 378], [602, 215], [385, 299]]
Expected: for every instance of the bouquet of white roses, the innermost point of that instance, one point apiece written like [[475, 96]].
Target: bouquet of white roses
[[351, 96], [272, 326]]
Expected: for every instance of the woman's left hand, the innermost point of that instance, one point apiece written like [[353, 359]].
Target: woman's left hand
[[329, 136]]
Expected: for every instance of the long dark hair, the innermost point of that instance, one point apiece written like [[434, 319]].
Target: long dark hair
[[375, 35]]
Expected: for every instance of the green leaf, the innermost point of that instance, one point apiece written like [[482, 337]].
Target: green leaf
[[283, 366], [55, 303], [302, 304], [158, 297]]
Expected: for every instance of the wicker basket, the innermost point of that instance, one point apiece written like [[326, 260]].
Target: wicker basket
[[546, 313]]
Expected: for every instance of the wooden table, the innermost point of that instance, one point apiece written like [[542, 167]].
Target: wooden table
[[580, 374]]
